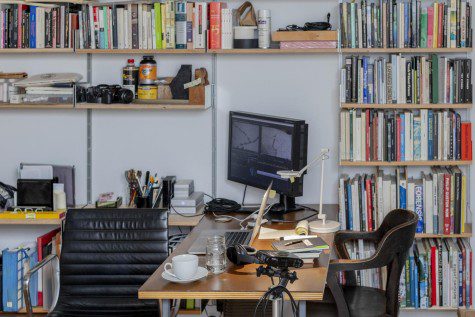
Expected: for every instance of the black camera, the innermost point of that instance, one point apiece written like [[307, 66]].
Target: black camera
[[106, 94], [279, 259]]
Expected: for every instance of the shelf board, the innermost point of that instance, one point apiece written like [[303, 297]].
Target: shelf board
[[405, 163], [31, 221], [433, 308], [35, 106], [36, 310], [406, 50], [189, 312], [139, 51], [35, 50], [158, 105], [406, 106], [275, 51]]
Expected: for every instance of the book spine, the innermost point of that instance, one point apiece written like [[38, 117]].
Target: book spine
[[215, 25]]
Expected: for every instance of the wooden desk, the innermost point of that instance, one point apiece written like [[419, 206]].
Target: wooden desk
[[237, 282]]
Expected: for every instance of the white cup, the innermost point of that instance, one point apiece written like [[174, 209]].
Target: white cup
[[184, 266]]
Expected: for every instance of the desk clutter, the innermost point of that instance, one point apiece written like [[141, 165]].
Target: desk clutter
[[17, 261]]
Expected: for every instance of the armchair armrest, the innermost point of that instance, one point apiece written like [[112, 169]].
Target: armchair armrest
[[372, 262], [26, 283], [341, 237]]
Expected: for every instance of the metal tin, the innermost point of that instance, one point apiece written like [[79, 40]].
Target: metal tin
[[147, 92], [147, 71]]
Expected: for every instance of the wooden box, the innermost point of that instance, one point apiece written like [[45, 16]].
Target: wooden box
[[292, 36]]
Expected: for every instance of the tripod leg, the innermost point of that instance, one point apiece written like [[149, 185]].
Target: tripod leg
[[277, 307]]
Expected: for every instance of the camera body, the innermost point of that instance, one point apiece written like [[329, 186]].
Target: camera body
[[106, 94], [279, 259]]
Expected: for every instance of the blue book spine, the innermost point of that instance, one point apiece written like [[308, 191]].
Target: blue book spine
[[419, 207], [412, 280], [423, 278], [32, 27], [402, 195], [460, 260], [370, 83], [430, 132], [416, 286], [350, 208], [365, 79], [406, 24], [402, 137], [9, 282], [417, 139]]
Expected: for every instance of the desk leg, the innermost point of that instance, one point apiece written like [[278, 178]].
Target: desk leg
[[277, 307], [302, 308], [166, 307]]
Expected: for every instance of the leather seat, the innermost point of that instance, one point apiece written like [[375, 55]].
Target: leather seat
[[106, 256], [362, 302]]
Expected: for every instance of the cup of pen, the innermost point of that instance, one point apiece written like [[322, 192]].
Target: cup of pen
[[216, 254], [144, 201]]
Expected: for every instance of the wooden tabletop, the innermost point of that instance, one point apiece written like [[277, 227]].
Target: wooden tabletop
[[239, 282]]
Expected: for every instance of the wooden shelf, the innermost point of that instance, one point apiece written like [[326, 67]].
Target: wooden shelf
[[35, 50], [405, 163], [433, 308], [138, 51], [35, 106], [36, 310], [160, 105], [467, 234], [31, 221], [406, 106], [274, 51], [406, 50], [189, 312]]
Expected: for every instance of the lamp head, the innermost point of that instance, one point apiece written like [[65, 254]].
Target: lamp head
[[288, 174]]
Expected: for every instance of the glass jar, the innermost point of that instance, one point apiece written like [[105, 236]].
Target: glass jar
[[216, 254]]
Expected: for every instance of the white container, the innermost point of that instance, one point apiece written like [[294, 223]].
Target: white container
[[59, 197], [263, 22]]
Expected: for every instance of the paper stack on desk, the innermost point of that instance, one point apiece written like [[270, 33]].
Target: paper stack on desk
[[303, 248]]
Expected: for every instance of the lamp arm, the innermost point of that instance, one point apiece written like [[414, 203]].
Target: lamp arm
[[323, 156]]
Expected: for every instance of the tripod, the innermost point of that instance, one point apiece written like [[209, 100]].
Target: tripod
[[276, 292]]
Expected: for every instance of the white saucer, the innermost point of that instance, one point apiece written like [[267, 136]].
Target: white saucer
[[202, 272]]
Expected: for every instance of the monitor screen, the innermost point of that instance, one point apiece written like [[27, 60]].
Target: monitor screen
[[260, 145]]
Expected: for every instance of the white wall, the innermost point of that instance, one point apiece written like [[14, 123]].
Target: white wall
[[179, 143]]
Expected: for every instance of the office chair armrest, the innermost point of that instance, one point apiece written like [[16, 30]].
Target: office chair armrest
[[372, 262], [341, 237], [26, 283]]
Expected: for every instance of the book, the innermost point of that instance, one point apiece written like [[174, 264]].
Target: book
[[215, 26], [301, 245]]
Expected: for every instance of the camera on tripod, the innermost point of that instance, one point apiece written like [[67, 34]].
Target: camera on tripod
[[106, 94]]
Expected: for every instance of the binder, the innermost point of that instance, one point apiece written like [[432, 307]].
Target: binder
[[16, 262]]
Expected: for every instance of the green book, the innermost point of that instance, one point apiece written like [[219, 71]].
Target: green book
[[106, 27], [435, 78], [424, 28], [158, 24], [190, 303]]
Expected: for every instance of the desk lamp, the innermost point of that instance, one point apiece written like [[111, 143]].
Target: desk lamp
[[322, 225]]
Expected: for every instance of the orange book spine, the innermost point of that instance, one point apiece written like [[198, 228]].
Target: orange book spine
[[215, 25]]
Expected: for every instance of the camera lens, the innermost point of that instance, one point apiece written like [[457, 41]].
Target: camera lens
[[125, 95]]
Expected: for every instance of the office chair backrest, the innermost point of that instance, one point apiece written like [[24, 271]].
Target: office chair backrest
[[108, 254], [397, 233]]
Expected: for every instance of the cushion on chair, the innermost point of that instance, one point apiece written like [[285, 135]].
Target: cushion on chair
[[362, 302], [106, 256]]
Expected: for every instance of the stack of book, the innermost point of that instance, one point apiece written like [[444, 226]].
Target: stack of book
[[307, 249], [438, 273], [439, 198], [400, 79], [168, 25], [42, 26], [399, 24], [404, 135]]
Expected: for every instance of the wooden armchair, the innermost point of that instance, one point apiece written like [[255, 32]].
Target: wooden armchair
[[392, 239]]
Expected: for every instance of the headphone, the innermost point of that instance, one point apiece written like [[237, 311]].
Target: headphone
[[241, 254]]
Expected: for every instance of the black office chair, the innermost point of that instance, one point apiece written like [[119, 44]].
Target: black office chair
[[106, 256], [393, 239]]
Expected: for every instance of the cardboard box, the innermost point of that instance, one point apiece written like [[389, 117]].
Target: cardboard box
[[289, 36], [463, 312]]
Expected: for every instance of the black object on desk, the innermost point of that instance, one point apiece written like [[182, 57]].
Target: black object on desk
[[35, 192]]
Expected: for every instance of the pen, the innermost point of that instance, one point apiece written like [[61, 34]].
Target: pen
[[292, 242]]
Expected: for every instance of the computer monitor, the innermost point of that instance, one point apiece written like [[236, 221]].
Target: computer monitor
[[261, 145]]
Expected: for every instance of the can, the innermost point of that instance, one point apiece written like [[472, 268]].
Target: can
[[147, 92], [263, 22], [147, 71], [130, 76]]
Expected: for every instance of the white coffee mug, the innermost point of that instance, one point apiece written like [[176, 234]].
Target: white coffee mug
[[183, 266]]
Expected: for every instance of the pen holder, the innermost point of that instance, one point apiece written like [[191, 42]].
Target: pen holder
[[143, 202]]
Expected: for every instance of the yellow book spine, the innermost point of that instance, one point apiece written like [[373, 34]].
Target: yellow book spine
[[435, 29], [32, 215], [164, 23]]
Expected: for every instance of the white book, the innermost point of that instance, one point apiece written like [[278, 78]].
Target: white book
[[435, 202], [360, 81], [347, 134], [91, 26], [355, 205], [363, 136], [128, 24], [342, 205], [445, 276], [149, 28], [379, 197], [427, 203], [342, 136], [386, 195], [402, 78], [357, 139], [446, 135], [227, 28], [140, 25], [463, 25], [360, 28], [411, 136], [101, 22], [393, 203], [342, 83], [120, 28], [81, 27], [200, 25], [62, 25], [407, 136], [39, 27], [424, 136], [154, 38], [410, 195]]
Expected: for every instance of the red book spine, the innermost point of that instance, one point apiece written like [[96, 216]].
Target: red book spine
[[463, 134], [430, 25], [19, 24], [433, 275], [368, 136], [446, 204], [215, 25], [469, 142], [398, 139], [369, 205], [440, 25]]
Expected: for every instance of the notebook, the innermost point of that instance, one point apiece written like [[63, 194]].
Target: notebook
[[301, 245]]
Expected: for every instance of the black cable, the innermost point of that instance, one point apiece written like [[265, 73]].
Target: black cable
[[222, 205]]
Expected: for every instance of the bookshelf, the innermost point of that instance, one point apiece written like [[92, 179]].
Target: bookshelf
[[405, 50], [140, 106], [141, 51], [404, 163], [273, 51], [35, 50], [409, 106]]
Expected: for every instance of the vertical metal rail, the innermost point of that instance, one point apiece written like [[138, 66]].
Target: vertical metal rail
[[214, 126], [89, 135]]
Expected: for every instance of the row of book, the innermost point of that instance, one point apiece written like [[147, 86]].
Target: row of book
[[438, 272], [168, 25], [400, 79], [45, 26], [15, 263], [403, 24], [404, 135], [439, 198]]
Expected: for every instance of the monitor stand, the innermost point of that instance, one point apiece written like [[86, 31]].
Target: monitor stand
[[286, 204]]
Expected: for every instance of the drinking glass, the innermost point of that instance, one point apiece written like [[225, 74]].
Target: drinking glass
[[216, 254]]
